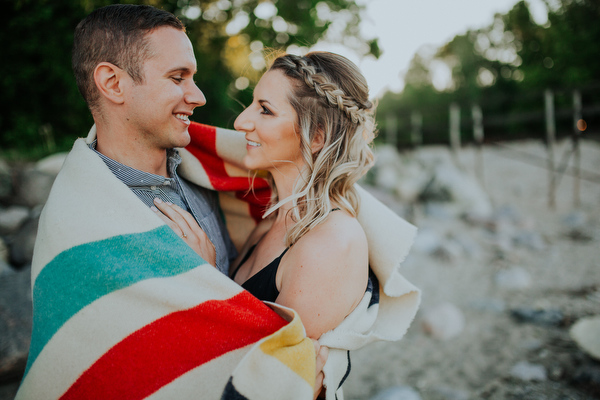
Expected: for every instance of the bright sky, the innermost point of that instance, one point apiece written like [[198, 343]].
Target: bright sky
[[404, 26]]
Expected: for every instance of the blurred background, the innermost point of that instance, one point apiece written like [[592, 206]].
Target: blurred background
[[501, 57], [488, 115]]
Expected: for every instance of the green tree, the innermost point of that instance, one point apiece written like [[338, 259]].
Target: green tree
[[505, 68], [41, 106]]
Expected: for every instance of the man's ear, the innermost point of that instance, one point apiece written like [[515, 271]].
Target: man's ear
[[318, 141], [109, 81]]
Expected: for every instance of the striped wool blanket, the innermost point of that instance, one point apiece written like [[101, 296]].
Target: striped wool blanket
[[124, 309]]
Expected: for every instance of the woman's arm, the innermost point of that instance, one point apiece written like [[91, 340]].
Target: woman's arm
[[325, 275]]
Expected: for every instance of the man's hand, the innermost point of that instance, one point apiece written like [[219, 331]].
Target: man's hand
[[322, 352], [184, 224]]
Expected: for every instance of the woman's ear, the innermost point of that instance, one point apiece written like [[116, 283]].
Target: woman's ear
[[318, 141], [109, 81]]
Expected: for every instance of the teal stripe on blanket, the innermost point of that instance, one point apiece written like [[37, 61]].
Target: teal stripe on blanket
[[82, 274]]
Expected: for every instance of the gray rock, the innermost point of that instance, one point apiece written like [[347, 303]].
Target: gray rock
[[5, 269], [493, 305], [21, 248], [34, 187], [575, 220], [387, 168], [470, 246], [52, 164], [439, 210], [443, 321], [461, 188], [586, 333], [530, 239], [449, 250], [551, 317], [12, 218], [15, 323], [513, 278], [588, 376], [397, 393], [531, 344], [449, 393], [427, 241], [528, 372]]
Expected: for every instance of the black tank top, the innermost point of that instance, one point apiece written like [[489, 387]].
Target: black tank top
[[262, 285]]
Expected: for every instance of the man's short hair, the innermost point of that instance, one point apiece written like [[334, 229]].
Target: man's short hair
[[116, 34]]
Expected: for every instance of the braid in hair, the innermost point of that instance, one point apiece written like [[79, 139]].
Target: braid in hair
[[330, 97], [328, 90]]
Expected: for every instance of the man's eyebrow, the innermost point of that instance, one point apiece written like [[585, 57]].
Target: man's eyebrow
[[182, 69]]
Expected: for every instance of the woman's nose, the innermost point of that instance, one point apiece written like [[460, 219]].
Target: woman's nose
[[242, 122]]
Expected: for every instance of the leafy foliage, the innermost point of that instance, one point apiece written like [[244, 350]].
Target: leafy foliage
[[41, 106]]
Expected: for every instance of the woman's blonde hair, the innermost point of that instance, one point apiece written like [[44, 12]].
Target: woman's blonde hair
[[330, 97]]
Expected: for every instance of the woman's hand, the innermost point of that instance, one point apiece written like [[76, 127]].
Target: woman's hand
[[184, 224]]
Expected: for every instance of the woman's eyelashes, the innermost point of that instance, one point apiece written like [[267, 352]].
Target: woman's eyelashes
[[266, 111]]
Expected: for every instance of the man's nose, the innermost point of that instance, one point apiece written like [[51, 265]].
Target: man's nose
[[195, 96]]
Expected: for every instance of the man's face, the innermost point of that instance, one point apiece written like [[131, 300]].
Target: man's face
[[158, 110]]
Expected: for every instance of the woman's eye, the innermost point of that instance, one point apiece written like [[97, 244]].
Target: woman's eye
[[265, 110]]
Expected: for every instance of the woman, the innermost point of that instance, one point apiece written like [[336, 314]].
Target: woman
[[309, 126]]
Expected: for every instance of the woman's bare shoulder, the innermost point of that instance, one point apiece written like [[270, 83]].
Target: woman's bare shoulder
[[325, 273], [338, 233]]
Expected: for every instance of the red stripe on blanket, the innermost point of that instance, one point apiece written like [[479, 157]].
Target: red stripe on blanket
[[203, 146], [157, 354]]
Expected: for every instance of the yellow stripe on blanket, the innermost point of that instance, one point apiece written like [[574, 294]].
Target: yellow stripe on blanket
[[278, 345]]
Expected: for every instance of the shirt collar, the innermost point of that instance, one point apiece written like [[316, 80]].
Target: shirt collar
[[134, 177]]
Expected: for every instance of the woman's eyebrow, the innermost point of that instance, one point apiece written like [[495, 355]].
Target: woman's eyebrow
[[262, 101]]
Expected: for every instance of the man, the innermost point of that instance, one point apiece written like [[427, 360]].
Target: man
[[123, 307], [142, 110]]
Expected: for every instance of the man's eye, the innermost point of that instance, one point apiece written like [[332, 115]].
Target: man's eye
[[177, 79]]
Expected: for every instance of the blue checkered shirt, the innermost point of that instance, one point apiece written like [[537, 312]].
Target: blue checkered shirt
[[202, 203]]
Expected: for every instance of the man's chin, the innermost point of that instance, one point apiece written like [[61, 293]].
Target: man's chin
[[183, 139]]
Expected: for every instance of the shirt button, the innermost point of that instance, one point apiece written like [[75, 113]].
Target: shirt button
[[153, 187]]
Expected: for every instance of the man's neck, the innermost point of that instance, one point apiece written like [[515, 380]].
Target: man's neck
[[133, 153]]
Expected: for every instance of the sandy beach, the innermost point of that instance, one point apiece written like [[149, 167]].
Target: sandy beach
[[500, 353]]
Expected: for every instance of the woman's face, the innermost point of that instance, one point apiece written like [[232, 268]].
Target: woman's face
[[270, 126]]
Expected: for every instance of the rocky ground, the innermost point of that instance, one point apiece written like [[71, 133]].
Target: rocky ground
[[500, 291], [504, 277]]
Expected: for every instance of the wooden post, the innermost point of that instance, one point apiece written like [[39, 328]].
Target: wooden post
[[478, 137], [455, 127], [416, 123], [577, 115], [391, 132], [550, 138]]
